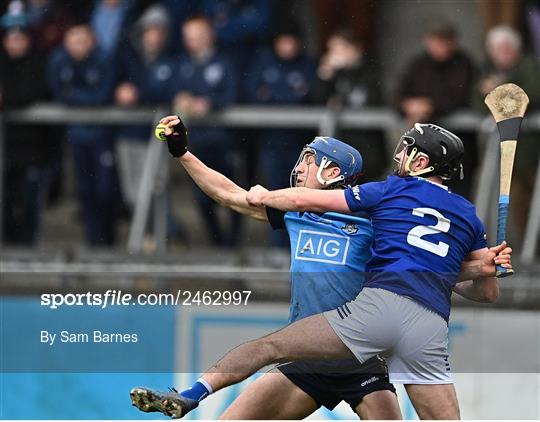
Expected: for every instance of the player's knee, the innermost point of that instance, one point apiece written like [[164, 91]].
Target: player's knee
[[492, 294], [434, 401], [381, 404], [449, 412]]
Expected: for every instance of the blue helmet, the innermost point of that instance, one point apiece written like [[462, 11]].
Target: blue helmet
[[329, 151]]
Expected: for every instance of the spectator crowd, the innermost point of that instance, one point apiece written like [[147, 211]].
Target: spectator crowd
[[202, 56]]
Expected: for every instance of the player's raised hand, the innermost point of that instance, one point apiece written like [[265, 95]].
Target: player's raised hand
[[175, 134], [169, 122], [498, 255], [255, 195]]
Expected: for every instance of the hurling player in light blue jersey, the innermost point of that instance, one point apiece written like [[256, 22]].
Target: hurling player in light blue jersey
[[319, 242], [329, 252]]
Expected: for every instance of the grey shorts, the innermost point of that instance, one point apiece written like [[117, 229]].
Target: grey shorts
[[412, 339]]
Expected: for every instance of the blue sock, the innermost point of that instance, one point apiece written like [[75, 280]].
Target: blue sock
[[197, 391]]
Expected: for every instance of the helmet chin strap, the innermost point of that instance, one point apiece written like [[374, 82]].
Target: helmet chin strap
[[410, 158], [324, 164]]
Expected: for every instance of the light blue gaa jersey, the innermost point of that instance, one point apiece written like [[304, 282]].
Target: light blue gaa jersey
[[422, 234], [328, 258]]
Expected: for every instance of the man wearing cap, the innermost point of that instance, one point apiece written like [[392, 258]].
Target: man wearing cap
[[145, 73]]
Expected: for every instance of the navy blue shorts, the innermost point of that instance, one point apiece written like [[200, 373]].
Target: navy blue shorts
[[330, 382]]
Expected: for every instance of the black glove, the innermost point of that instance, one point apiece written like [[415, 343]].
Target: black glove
[[177, 141]]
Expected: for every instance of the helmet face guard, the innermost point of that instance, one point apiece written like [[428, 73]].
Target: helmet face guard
[[405, 153], [322, 162], [294, 174]]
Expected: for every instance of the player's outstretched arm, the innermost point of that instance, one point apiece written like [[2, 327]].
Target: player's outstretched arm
[[220, 188], [477, 276], [214, 184], [300, 199]]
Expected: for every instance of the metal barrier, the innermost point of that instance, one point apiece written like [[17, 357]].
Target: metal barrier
[[325, 120], [264, 271]]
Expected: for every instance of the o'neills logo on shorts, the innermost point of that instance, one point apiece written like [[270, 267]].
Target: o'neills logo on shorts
[[369, 381]]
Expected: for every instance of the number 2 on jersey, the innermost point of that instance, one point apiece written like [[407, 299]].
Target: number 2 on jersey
[[414, 237]]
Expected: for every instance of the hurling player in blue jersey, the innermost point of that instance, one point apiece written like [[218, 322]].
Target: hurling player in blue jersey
[[328, 258], [380, 320]]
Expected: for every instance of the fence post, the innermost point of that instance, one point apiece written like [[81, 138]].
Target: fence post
[[161, 201], [146, 189], [328, 124]]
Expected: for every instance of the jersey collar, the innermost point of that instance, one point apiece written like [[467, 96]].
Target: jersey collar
[[433, 183]]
